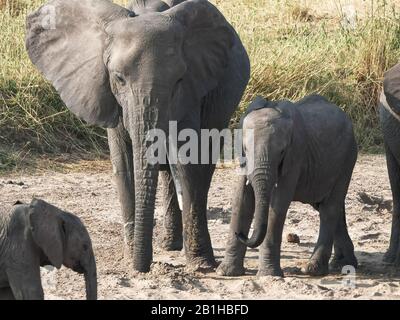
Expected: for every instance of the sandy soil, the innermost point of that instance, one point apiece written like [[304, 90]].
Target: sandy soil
[[92, 196]]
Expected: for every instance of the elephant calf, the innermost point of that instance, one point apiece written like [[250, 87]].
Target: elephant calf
[[38, 234], [303, 151]]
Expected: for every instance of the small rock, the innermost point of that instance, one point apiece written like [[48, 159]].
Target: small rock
[[293, 238], [370, 236], [323, 288], [374, 202], [363, 197], [15, 183]]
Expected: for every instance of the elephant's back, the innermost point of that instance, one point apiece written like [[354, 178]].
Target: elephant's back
[[326, 121]]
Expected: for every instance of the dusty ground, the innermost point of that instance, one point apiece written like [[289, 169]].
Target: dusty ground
[[92, 196]]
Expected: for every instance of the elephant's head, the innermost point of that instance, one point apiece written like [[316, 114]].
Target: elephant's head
[[107, 62], [63, 240], [271, 154]]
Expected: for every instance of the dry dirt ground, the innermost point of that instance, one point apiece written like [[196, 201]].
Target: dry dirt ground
[[90, 193]]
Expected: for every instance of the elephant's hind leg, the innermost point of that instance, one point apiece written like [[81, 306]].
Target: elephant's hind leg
[[197, 241], [172, 237], [333, 224], [318, 263], [122, 163], [393, 253], [343, 246]]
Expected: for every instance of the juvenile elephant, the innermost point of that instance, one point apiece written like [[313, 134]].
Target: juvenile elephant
[[389, 109], [137, 70], [39, 234], [303, 151]]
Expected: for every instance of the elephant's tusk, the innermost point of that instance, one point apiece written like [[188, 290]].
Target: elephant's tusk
[[180, 202]]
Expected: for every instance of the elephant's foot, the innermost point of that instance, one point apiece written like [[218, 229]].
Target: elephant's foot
[[390, 257], [316, 268], [270, 271], [201, 264], [339, 261], [228, 269], [172, 243]]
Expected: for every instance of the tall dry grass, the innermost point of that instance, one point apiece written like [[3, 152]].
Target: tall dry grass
[[302, 47], [296, 48]]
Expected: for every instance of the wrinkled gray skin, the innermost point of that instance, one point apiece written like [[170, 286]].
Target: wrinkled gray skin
[[39, 234], [390, 98], [134, 70], [306, 152]]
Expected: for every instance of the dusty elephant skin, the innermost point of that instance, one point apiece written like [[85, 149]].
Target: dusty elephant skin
[[306, 152], [389, 108], [39, 234], [135, 70]]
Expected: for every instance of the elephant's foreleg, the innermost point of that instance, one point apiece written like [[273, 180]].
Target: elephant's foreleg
[[26, 284], [270, 249], [393, 252], [196, 181], [173, 230], [122, 163], [243, 205]]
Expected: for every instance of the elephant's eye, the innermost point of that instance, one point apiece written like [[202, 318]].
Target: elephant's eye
[[85, 247], [120, 79]]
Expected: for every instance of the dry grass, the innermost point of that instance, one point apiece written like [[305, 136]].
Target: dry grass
[[296, 48], [301, 47]]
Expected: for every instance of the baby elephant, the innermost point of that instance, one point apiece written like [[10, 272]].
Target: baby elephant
[[302, 151], [39, 234]]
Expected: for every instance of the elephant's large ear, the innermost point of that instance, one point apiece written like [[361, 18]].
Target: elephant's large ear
[[208, 41], [47, 230], [66, 41], [391, 87], [289, 159]]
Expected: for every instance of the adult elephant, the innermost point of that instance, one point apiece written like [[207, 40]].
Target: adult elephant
[[136, 70], [389, 109]]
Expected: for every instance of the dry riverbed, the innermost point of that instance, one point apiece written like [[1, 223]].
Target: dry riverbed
[[90, 194]]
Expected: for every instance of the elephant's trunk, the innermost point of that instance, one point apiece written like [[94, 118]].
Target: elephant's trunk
[[262, 185], [145, 118], [90, 275]]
